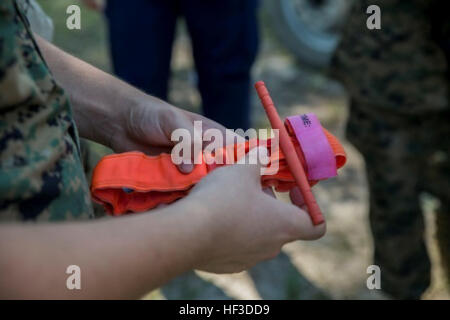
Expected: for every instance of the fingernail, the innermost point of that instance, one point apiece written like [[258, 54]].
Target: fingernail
[[186, 168]]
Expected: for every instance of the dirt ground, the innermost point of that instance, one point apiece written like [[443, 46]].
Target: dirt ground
[[333, 267]]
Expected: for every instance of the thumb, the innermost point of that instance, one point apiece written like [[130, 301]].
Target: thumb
[[297, 198], [196, 148], [186, 168], [298, 221]]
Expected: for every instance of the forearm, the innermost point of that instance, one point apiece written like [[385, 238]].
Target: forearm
[[119, 258], [100, 101]]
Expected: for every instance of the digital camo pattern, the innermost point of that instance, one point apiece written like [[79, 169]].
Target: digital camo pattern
[[397, 79], [41, 176], [40, 23]]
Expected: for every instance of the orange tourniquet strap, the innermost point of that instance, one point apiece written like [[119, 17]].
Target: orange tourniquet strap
[[135, 182]]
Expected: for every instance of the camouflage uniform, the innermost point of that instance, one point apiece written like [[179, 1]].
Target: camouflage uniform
[[397, 79], [41, 176]]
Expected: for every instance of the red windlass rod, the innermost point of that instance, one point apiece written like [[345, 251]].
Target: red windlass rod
[[288, 149]]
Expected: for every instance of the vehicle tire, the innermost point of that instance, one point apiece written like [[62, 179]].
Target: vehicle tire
[[310, 29]]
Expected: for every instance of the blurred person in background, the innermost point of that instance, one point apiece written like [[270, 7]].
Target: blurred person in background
[[224, 37], [398, 81]]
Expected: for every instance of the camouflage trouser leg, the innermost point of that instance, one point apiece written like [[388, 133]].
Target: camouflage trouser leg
[[396, 218], [398, 79], [437, 182], [398, 227], [443, 237]]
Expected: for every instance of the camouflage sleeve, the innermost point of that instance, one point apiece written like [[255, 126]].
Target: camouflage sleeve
[[41, 176], [40, 22], [16, 84]]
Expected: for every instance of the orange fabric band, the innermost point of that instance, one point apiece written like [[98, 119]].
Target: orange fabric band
[[134, 182]]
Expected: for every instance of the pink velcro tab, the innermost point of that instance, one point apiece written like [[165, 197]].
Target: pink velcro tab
[[318, 154]]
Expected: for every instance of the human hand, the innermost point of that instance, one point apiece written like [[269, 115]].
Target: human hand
[[148, 126], [243, 224]]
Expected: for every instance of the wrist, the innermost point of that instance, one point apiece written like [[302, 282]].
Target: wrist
[[118, 118], [98, 121], [195, 218]]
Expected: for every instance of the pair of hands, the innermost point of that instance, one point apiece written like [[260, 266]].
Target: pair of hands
[[242, 223]]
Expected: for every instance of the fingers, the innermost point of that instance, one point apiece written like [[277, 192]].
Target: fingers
[[297, 198], [269, 192], [250, 166], [186, 168], [253, 158], [196, 148], [211, 124], [197, 126], [188, 163], [298, 223]]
